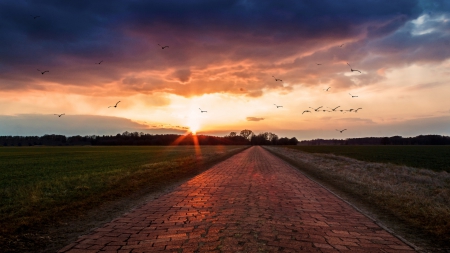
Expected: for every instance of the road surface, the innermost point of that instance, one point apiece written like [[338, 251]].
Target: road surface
[[251, 202]]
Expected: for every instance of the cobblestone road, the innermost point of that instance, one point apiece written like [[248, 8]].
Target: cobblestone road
[[252, 202]]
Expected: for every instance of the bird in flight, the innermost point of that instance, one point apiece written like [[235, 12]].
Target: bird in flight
[[202, 111], [305, 111], [278, 106], [276, 79], [316, 109], [341, 45], [114, 105], [35, 17], [43, 72], [353, 69], [352, 95], [99, 62], [341, 130], [327, 89], [326, 111], [357, 109], [162, 46], [349, 110], [59, 115], [334, 108], [319, 63]]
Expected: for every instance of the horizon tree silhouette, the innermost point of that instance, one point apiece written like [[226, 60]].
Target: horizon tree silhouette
[[246, 133]]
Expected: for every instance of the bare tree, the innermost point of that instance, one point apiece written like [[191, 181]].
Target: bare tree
[[246, 133], [272, 138]]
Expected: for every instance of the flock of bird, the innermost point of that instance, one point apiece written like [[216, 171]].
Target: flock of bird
[[318, 109], [332, 110]]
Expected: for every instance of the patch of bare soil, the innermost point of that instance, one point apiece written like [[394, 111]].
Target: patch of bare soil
[[52, 237], [363, 184]]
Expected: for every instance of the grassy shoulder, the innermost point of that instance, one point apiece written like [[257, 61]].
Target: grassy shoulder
[[44, 185], [419, 199], [435, 158]]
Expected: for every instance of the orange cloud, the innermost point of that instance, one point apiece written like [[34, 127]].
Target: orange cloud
[[254, 119]]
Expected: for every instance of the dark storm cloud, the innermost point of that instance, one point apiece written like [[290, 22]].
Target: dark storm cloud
[[214, 46]]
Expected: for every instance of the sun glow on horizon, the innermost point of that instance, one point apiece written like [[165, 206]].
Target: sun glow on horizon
[[193, 127]]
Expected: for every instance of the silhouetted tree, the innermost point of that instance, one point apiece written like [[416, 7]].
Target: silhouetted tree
[[246, 133], [233, 134], [265, 138], [293, 141], [259, 139], [283, 141]]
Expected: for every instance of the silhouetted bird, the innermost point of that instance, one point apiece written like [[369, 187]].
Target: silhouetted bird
[[334, 108], [99, 62], [352, 95], [327, 89], [202, 111], [341, 130], [43, 72], [59, 115], [316, 109], [35, 17], [341, 45], [114, 105], [278, 106], [357, 109], [162, 46], [326, 111], [276, 80], [319, 63], [305, 111], [353, 69]]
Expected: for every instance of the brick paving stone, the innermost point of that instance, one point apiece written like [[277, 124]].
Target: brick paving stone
[[251, 202]]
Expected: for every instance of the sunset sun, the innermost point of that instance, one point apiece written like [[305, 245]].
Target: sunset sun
[[193, 127]]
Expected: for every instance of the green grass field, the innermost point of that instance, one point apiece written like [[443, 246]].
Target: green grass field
[[436, 158], [43, 184]]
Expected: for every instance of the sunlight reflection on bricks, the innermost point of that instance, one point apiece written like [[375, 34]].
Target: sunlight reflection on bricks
[[248, 203]]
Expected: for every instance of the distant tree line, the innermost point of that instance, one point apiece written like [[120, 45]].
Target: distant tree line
[[265, 138], [394, 140], [245, 137]]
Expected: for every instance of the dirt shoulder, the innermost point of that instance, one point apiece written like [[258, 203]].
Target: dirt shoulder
[[52, 237], [350, 180]]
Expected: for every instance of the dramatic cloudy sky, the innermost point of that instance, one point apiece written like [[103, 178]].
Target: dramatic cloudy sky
[[223, 57]]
